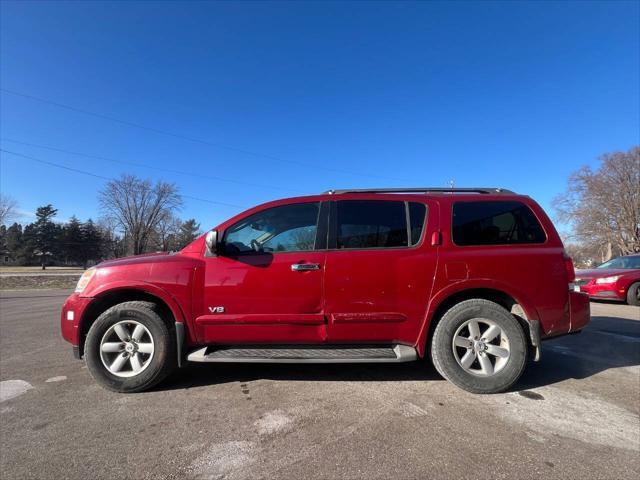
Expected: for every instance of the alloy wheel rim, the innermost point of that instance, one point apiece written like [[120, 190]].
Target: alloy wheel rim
[[481, 347], [126, 348]]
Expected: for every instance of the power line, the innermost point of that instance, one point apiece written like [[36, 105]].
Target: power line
[[52, 164], [84, 172], [161, 169], [193, 139]]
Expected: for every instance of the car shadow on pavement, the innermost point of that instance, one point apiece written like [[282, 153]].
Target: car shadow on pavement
[[198, 375], [608, 342]]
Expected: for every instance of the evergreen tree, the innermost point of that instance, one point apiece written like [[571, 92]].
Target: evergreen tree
[[28, 246], [72, 242], [4, 252], [45, 234], [92, 243], [14, 236], [189, 231], [44, 242], [14, 243]]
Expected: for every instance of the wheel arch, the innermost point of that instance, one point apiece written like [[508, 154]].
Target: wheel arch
[[168, 310], [521, 310]]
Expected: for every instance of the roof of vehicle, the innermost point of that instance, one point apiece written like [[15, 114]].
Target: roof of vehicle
[[480, 190], [446, 195], [408, 193]]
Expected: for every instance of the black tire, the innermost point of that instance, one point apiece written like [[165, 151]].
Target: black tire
[[162, 362], [632, 294], [442, 352]]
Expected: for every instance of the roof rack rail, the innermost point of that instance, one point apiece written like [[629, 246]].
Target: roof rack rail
[[485, 190]]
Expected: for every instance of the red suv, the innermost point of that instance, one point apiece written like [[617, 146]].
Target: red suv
[[473, 278]]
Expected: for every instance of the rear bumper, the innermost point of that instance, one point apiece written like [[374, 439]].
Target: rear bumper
[[72, 311], [579, 311]]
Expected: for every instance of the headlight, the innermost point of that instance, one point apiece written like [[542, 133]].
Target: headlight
[[612, 279], [85, 279]]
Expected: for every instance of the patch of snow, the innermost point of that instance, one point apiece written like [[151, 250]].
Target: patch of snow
[[410, 410], [13, 388], [580, 416], [273, 422], [222, 459]]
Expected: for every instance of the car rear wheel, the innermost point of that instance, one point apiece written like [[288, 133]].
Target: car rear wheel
[[479, 346], [633, 294], [130, 348]]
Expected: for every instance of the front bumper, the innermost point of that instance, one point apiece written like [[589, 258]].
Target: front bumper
[[605, 291], [70, 317]]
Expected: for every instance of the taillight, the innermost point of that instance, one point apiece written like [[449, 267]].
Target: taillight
[[568, 265]]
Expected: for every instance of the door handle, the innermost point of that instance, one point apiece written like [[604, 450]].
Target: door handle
[[304, 267]]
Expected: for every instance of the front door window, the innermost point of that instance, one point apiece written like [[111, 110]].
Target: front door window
[[289, 228]]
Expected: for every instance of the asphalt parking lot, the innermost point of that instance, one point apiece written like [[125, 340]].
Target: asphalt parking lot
[[573, 415]]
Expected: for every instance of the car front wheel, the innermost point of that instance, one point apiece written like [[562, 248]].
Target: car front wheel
[[479, 346], [129, 348], [633, 294]]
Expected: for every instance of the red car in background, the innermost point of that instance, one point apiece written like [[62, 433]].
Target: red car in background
[[617, 279]]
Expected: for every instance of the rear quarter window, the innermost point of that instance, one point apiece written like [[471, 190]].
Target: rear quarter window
[[495, 223], [417, 213]]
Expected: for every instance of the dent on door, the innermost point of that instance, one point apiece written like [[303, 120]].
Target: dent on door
[[375, 304]]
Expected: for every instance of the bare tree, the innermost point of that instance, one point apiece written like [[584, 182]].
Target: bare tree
[[136, 206], [165, 237], [8, 209], [603, 206], [584, 256], [112, 243]]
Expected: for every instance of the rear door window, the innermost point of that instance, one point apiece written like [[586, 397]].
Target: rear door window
[[495, 223], [371, 224]]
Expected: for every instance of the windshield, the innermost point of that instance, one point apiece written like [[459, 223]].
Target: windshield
[[622, 262]]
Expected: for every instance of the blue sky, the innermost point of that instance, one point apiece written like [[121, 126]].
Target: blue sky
[[264, 100]]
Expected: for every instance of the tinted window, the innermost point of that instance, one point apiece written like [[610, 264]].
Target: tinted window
[[417, 212], [371, 224], [495, 223], [280, 229]]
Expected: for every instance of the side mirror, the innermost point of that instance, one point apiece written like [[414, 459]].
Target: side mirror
[[211, 241]]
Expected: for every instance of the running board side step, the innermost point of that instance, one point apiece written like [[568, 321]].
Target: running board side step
[[305, 354]]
